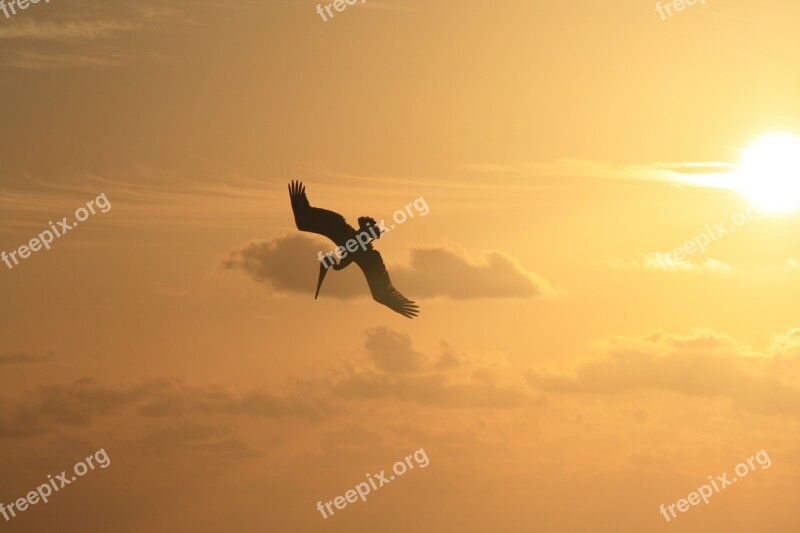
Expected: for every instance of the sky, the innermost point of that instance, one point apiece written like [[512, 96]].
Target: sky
[[605, 266]]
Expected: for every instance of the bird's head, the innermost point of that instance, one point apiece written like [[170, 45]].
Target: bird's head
[[365, 223]]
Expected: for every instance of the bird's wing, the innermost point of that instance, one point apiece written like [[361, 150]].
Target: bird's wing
[[381, 286], [316, 220]]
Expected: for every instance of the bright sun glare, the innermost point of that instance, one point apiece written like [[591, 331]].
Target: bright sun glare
[[769, 173]]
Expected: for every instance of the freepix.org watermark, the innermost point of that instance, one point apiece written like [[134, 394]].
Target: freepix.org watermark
[[719, 483], [712, 234], [364, 238], [14, 4], [375, 482], [678, 5], [45, 238], [54, 484], [338, 5]]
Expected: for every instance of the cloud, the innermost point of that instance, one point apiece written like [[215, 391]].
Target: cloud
[[189, 437], [703, 364], [184, 401], [288, 263], [21, 358], [437, 271], [391, 351], [433, 390]]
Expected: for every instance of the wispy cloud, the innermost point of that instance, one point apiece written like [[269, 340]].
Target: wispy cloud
[[22, 358], [44, 61], [702, 174], [57, 43], [66, 30], [153, 198]]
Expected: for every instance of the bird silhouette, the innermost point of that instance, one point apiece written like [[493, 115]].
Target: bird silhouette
[[335, 227]]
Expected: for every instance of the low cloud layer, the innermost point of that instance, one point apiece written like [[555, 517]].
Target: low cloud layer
[[79, 403], [703, 364], [396, 371]]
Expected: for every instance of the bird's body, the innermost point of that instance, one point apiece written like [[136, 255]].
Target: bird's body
[[335, 227]]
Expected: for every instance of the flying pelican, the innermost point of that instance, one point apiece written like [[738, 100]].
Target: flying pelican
[[335, 227]]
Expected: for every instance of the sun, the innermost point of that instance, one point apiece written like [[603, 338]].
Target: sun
[[769, 173]]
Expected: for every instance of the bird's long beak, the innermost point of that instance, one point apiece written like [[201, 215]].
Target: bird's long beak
[[322, 272]]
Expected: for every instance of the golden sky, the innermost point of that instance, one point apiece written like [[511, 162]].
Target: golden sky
[[562, 375]]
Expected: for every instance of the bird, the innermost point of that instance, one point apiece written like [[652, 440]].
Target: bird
[[334, 226]]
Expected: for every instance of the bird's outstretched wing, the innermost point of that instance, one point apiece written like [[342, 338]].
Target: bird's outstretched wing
[[381, 286], [316, 220]]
